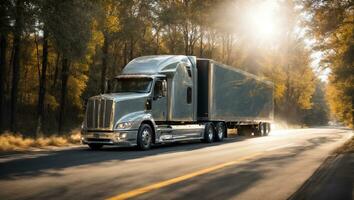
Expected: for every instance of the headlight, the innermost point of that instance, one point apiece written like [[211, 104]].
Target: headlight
[[124, 125]]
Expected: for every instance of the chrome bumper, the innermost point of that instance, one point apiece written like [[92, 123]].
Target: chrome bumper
[[117, 138]]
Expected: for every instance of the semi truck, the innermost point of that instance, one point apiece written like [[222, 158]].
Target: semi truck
[[170, 98]]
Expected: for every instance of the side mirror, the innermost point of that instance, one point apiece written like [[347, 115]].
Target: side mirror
[[164, 88]]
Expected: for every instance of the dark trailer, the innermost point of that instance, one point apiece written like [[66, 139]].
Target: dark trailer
[[233, 96]]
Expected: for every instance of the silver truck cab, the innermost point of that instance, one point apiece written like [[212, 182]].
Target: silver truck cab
[[151, 91]]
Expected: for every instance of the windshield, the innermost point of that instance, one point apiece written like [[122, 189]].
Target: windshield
[[139, 85]]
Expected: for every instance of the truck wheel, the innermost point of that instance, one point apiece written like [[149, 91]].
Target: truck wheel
[[95, 146], [209, 133], [144, 137], [220, 131]]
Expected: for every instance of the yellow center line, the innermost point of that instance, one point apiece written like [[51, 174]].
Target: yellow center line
[[158, 185]]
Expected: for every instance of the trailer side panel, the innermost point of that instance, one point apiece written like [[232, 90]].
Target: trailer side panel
[[234, 95]]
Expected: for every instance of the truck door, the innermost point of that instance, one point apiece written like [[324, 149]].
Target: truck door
[[159, 100]]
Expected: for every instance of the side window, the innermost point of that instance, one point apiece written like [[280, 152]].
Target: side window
[[189, 95], [158, 89], [189, 71]]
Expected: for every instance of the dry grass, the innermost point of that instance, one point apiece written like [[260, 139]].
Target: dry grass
[[348, 147], [17, 142]]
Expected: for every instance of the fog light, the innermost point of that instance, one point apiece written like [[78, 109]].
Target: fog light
[[123, 135]]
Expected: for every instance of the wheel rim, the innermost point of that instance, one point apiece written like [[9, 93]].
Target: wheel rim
[[220, 131], [210, 133], [146, 137]]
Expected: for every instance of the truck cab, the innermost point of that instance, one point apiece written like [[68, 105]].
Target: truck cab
[[141, 105]]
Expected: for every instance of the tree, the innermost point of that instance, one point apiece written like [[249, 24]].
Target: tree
[[108, 24], [42, 83], [332, 25], [66, 18], [19, 23], [4, 31], [44, 13], [319, 113]]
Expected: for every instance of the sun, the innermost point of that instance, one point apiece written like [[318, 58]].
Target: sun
[[262, 21]]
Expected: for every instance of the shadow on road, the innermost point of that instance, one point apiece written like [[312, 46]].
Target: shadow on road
[[232, 181], [37, 164], [48, 164]]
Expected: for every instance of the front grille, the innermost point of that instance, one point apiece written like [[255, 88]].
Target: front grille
[[99, 114]]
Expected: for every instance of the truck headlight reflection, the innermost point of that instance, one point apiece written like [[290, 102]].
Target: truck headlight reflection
[[124, 125]]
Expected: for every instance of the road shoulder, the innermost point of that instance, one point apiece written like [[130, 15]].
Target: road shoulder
[[334, 179]]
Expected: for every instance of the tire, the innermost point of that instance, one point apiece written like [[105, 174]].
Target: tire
[[263, 129], [258, 130], [144, 139], [209, 133], [95, 147], [267, 128], [220, 131]]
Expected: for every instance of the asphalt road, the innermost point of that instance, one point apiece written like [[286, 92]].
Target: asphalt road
[[272, 167]]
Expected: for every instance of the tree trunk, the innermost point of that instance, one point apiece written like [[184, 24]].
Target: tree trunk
[[37, 55], [125, 54], [42, 84], [16, 63], [9, 70], [104, 62], [3, 46], [186, 39], [201, 49], [64, 83], [131, 52], [56, 72], [157, 42]]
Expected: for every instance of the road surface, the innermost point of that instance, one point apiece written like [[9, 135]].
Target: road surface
[[272, 167]]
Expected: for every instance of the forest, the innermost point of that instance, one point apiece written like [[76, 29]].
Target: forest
[[55, 54]]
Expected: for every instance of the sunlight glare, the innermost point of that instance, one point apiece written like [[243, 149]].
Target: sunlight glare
[[262, 20]]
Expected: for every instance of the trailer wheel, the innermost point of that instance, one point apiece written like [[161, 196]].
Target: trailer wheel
[[95, 146], [220, 131], [145, 136], [263, 129], [209, 133], [267, 128], [258, 129]]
